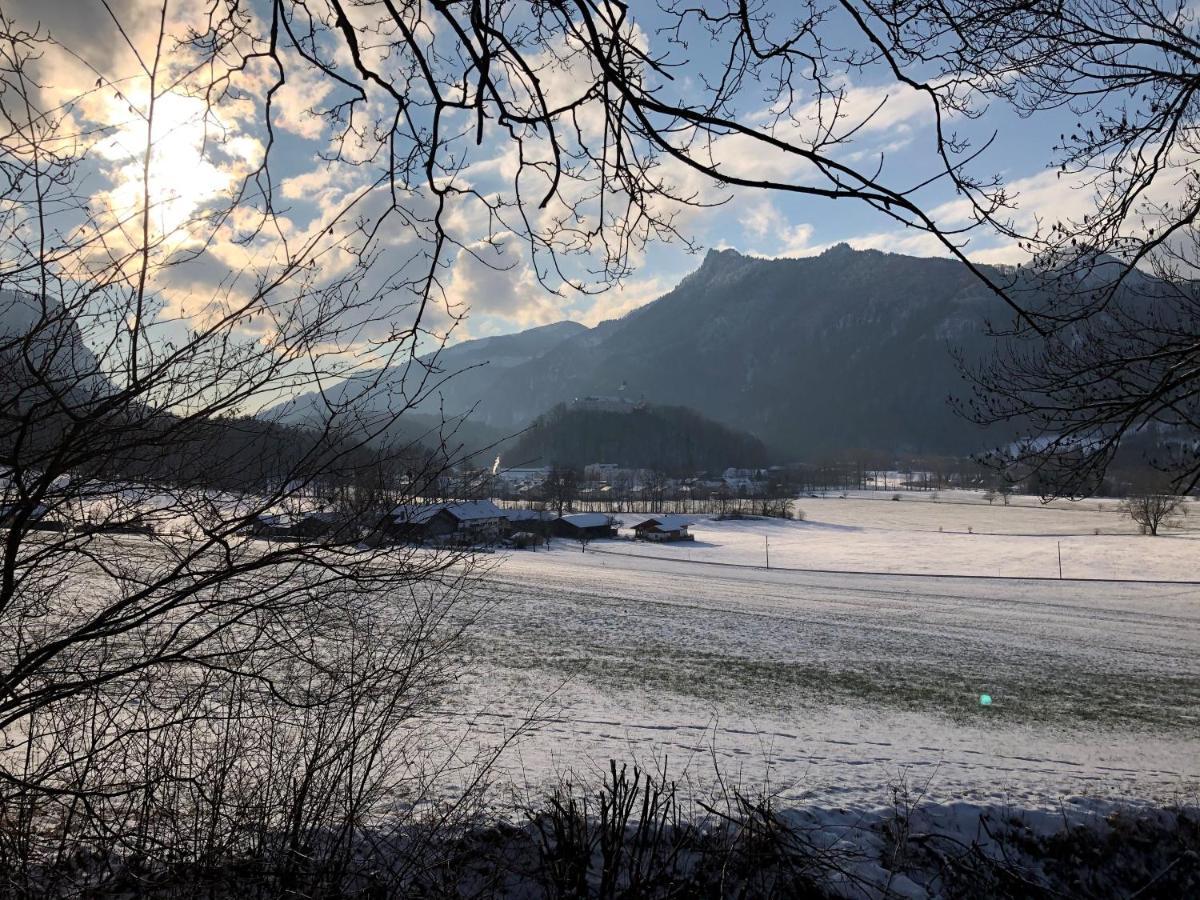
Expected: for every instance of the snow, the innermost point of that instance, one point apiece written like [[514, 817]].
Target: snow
[[946, 537], [528, 515], [668, 523], [466, 511], [586, 520], [829, 688]]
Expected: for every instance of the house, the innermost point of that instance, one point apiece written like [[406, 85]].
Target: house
[[663, 528], [133, 525], [601, 471], [471, 521], [585, 526], [37, 519], [315, 524], [534, 521], [524, 475], [285, 526], [274, 526]]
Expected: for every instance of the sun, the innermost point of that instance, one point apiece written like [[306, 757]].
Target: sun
[[195, 160]]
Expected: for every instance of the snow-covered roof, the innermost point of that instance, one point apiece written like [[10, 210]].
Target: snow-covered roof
[[666, 523], [526, 474], [586, 520], [475, 509], [467, 511], [416, 514], [527, 515], [7, 510]]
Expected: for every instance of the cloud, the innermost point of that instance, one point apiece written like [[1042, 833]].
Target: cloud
[[86, 27], [487, 281], [907, 241], [624, 298], [858, 123], [188, 169], [1039, 199], [312, 184], [297, 100], [762, 220]]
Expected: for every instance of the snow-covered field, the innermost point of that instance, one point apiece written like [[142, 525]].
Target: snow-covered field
[[957, 534], [830, 688]]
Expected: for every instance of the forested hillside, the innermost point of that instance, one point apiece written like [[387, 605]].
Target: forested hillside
[[670, 439]]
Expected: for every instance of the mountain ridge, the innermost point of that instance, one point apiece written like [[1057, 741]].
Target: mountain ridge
[[844, 349]]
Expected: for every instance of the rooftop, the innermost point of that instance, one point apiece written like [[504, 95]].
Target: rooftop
[[464, 511], [666, 523], [587, 520]]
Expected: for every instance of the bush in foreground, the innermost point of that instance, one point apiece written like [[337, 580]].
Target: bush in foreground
[[635, 836]]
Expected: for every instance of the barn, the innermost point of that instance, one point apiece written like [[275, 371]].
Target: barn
[[585, 526], [663, 528], [274, 526], [293, 526], [532, 521], [316, 524], [38, 518], [470, 521]]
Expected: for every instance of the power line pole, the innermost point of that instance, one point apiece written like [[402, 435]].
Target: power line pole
[[1060, 560]]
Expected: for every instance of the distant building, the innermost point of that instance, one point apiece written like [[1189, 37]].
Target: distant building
[[271, 525], [136, 524], [520, 516], [525, 475], [606, 404], [315, 524], [472, 521], [585, 526], [533, 521], [293, 526], [663, 528], [38, 518], [601, 471], [741, 481]]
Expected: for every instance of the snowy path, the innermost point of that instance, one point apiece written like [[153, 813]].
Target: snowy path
[[838, 684]]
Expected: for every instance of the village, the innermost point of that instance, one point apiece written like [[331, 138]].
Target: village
[[520, 507], [525, 507], [482, 522]]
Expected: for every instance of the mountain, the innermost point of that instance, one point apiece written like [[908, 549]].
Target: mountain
[[456, 378], [848, 349], [671, 439], [51, 381], [43, 353]]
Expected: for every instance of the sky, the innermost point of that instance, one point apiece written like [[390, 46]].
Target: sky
[[491, 285]]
